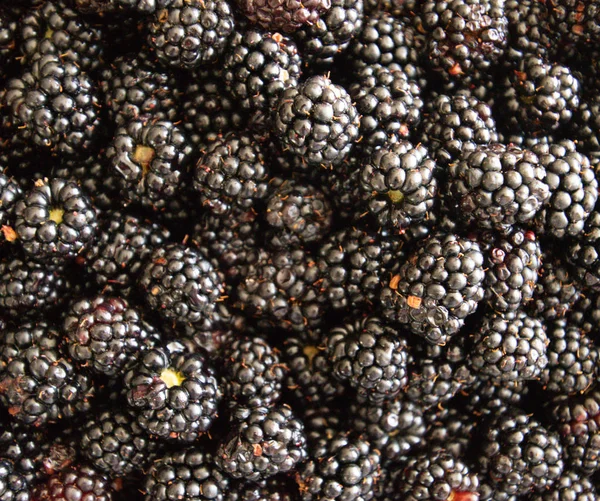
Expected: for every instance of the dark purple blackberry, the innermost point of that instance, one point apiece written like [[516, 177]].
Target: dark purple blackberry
[[518, 455], [180, 284], [283, 289], [22, 445], [454, 125], [585, 125], [322, 42], [55, 220], [322, 423], [317, 121], [583, 253], [266, 442], [509, 349], [134, 89], [54, 106], [258, 66], [573, 187], [283, 15], [296, 214], [75, 482], [450, 428], [13, 485], [394, 427], [497, 186], [575, 21], [189, 33], [344, 467], [54, 28], [190, 473], [570, 486], [231, 173], [512, 271], [37, 384], [110, 6], [151, 157], [528, 29], [124, 243], [439, 285], [173, 392], [252, 373], [398, 185], [572, 359], [489, 398], [370, 356]]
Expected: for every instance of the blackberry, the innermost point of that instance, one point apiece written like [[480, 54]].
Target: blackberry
[[510, 349], [528, 29], [283, 15], [13, 485], [55, 220], [189, 473], [439, 285], [570, 485], [252, 373], [78, 481], [513, 267], [575, 21], [370, 356], [114, 444], [489, 398], [259, 66], [449, 428], [152, 160], [37, 384], [103, 6], [572, 359], [231, 173], [296, 214], [186, 34], [343, 467], [497, 186], [54, 106], [267, 442], [583, 254], [10, 193], [174, 393], [584, 127], [317, 121], [398, 185], [573, 187], [22, 445], [520, 456], [180, 284], [117, 256], [455, 125]]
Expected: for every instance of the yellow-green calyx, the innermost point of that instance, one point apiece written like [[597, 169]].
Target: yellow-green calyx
[[396, 196], [56, 215], [172, 378]]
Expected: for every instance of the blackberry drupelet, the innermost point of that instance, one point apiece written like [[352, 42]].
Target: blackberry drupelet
[[370, 356], [570, 486], [398, 185], [151, 157], [439, 285], [509, 349], [13, 485], [317, 121], [55, 220], [189, 33], [231, 173], [266, 442], [180, 284], [258, 66], [283, 15], [54, 106], [252, 373], [37, 384], [173, 392], [75, 482]]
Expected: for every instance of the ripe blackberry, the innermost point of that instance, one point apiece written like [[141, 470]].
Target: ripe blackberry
[[75, 482], [571, 485], [231, 173], [513, 266], [152, 159], [37, 384], [296, 214], [13, 485], [174, 393], [573, 187], [454, 125], [575, 21], [189, 33], [180, 284], [439, 285], [103, 6], [370, 356], [528, 29], [497, 186], [54, 106], [259, 66], [10, 193], [398, 184], [55, 220], [124, 243], [489, 398], [344, 467], [572, 359], [510, 349], [518, 455], [317, 121], [584, 128], [283, 15], [252, 373], [22, 445], [450, 428], [582, 252], [179, 473], [267, 442]]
